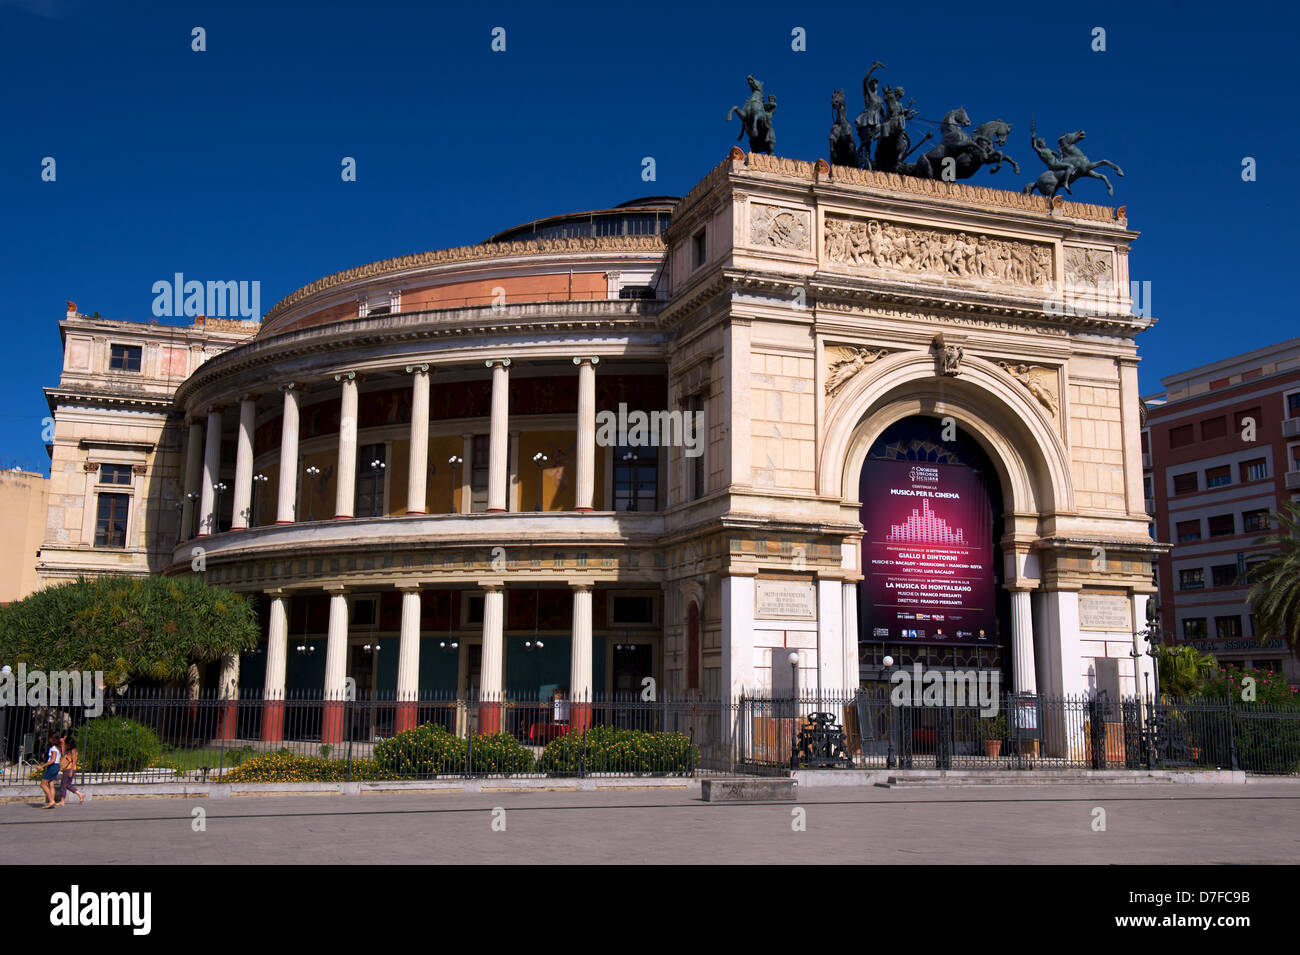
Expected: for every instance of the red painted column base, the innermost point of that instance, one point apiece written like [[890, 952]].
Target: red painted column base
[[407, 716], [579, 717], [273, 721], [489, 717], [227, 720], [331, 723]]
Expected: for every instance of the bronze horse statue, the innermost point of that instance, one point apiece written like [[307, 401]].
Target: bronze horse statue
[[756, 118], [968, 152], [843, 152], [1070, 165]]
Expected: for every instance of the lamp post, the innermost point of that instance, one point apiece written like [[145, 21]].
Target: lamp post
[[312, 473], [455, 461], [794, 709], [180, 528], [631, 458], [254, 515], [888, 661], [540, 460], [376, 469], [193, 498], [219, 487]]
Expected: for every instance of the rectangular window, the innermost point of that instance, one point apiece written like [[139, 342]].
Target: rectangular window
[[634, 610], [474, 609], [110, 521], [636, 478], [1254, 470], [1228, 628], [1181, 436], [1223, 525], [1224, 575], [1218, 477], [1188, 483], [1293, 405], [695, 465], [1194, 628], [365, 612], [1214, 428], [115, 474], [1187, 531], [1240, 419], [371, 465], [1146, 442], [1191, 579], [124, 358], [480, 461], [698, 249], [1254, 521], [636, 291]]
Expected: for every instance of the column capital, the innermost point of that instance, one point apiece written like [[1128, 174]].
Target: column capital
[[592, 360], [420, 369], [348, 375], [1023, 584], [336, 590], [247, 396], [279, 593], [408, 587], [582, 584], [492, 584], [290, 386], [503, 362], [215, 409]]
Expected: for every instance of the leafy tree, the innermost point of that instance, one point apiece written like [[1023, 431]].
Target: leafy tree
[[1184, 670], [130, 627], [1275, 583]]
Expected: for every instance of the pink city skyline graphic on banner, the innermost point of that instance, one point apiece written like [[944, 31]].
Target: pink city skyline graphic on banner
[[924, 526]]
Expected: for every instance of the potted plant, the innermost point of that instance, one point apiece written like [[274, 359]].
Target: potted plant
[[992, 731]]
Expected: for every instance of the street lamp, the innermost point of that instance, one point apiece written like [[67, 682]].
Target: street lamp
[[219, 487], [794, 709], [376, 468], [253, 509], [888, 661], [540, 460], [631, 458], [312, 473], [455, 461], [180, 528], [193, 498]]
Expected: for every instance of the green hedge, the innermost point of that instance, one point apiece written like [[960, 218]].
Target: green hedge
[[606, 749], [115, 744], [284, 767], [499, 753]]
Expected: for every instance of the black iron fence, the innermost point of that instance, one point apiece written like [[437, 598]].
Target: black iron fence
[[165, 735]]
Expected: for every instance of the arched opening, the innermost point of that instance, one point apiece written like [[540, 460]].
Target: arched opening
[[933, 514]]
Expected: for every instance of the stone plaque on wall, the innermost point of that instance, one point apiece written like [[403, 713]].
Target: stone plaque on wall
[[785, 599], [1105, 612]]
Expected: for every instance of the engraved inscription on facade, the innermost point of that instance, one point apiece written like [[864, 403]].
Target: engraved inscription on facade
[[1100, 611], [785, 600], [888, 245]]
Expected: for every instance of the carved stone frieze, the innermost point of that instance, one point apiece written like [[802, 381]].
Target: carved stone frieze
[[845, 361], [778, 227], [1088, 268], [1039, 382], [876, 243]]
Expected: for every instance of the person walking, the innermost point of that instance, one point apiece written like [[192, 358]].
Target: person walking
[[51, 765], [70, 764]]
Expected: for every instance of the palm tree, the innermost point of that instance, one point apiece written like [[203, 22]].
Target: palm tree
[[1183, 670], [1275, 583]]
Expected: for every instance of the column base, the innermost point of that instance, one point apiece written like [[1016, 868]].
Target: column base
[[407, 717], [342, 517], [584, 508], [272, 721], [579, 717], [239, 527], [496, 510], [414, 513], [331, 722], [489, 718], [286, 522], [227, 720]]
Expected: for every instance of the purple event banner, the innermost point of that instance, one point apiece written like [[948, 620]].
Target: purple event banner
[[927, 554]]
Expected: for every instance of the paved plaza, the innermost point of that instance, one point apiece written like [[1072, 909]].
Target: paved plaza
[[1202, 824]]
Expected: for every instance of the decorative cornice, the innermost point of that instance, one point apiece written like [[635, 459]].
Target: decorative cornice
[[466, 253]]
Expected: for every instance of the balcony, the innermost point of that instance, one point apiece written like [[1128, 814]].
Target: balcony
[[1293, 480]]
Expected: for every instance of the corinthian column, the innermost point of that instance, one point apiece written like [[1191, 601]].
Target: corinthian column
[[193, 464], [408, 659], [499, 439], [418, 475], [288, 488], [1022, 643], [242, 511], [586, 483], [345, 481], [580, 660], [211, 474]]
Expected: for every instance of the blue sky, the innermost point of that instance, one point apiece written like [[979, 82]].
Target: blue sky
[[226, 164]]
